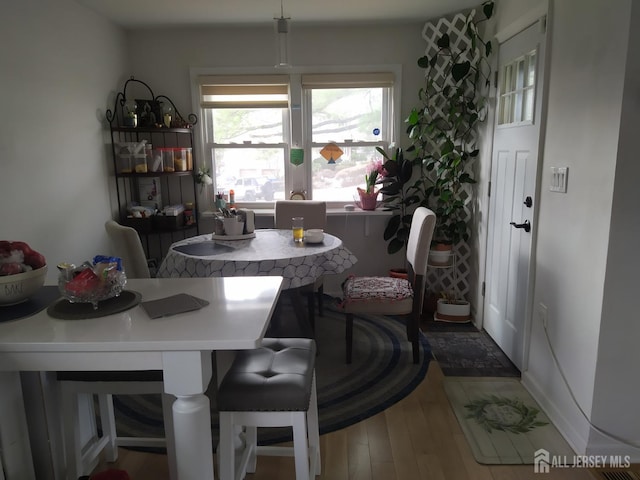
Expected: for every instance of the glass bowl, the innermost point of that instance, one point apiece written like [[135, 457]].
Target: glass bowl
[[92, 289]]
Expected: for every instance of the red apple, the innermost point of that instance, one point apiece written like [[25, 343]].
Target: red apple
[[22, 246], [10, 268], [34, 259]]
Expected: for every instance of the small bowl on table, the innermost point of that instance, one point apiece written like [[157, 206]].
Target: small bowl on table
[[21, 286], [314, 235], [95, 292]]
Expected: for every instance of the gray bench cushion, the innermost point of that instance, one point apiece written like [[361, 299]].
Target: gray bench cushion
[[275, 377]]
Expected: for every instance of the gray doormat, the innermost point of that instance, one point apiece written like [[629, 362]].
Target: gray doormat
[[469, 353]]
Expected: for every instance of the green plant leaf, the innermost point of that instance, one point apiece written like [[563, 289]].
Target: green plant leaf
[[394, 246], [487, 9], [392, 227], [423, 62], [460, 70], [488, 48], [443, 41]]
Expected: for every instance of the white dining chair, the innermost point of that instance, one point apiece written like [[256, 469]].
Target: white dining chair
[[82, 459], [127, 245], [394, 296], [315, 216]]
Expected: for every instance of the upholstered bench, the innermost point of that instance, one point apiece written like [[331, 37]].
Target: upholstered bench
[[271, 386]]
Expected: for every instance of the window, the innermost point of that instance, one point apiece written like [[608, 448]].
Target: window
[[517, 89], [246, 128], [348, 116], [251, 123]]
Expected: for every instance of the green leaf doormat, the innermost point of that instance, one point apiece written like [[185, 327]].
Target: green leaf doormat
[[501, 422]]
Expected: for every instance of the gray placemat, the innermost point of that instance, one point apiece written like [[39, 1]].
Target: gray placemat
[[65, 310], [38, 301], [203, 249], [178, 303]]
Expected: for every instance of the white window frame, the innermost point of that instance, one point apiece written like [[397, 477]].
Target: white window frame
[[297, 135]]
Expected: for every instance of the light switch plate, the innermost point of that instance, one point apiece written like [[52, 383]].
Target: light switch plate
[[558, 181]]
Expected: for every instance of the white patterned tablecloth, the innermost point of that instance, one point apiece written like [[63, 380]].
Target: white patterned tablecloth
[[271, 252]]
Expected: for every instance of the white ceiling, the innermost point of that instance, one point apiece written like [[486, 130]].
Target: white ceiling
[[154, 13]]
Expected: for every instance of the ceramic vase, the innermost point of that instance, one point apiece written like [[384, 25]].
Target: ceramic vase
[[368, 201]]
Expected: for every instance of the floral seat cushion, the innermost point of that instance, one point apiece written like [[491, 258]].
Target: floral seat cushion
[[377, 289]]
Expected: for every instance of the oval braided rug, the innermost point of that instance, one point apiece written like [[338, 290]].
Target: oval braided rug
[[382, 373]]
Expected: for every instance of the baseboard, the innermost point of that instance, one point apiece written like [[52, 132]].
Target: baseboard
[[595, 444], [578, 442]]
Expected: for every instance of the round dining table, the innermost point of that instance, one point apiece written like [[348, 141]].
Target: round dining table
[[269, 252]]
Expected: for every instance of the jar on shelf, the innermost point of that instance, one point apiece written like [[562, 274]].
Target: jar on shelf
[[167, 160], [140, 162], [155, 163], [123, 163], [180, 159]]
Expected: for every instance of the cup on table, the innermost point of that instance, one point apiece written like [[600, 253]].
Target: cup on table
[[233, 226], [297, 226]]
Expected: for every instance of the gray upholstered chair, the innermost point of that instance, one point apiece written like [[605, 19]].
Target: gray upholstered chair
[[315, 216], [395, 296], [271, 386]]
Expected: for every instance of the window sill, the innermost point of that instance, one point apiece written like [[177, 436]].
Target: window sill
[[331, 212]]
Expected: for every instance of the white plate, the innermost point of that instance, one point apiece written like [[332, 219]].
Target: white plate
[[233, 237]]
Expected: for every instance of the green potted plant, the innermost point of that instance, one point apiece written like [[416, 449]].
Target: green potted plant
[[397, 172], [444, 127], [442, 131]]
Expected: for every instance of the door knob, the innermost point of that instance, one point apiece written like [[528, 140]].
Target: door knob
[[526, 225]]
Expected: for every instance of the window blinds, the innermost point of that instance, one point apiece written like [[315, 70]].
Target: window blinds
[[244, 91]]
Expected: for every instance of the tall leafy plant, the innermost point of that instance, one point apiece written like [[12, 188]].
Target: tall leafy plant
[[444, 127], [398, 171]]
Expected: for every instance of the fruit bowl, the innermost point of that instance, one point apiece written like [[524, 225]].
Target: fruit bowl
[[19, 287], [93, 291]]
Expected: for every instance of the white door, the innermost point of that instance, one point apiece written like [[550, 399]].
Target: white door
[[512, 199]]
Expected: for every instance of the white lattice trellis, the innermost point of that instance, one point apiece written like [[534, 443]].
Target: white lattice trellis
[[440, 279]]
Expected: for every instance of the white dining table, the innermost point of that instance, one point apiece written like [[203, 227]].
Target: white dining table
[[235, 318]]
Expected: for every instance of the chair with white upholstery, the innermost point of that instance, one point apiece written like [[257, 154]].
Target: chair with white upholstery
[[394, 296], [82, 459], [127, 245], [315, 216]]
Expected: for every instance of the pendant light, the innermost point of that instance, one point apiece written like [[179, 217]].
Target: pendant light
[[282, 39]]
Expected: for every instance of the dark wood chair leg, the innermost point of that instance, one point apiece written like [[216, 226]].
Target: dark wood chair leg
[[311, 309], [321, 300], [349, 336]]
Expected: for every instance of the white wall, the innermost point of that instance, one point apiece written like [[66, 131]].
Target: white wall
[[585, 100], [59, 61], [616, 379]]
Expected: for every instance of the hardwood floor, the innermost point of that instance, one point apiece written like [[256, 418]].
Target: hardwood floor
[[417, 438]]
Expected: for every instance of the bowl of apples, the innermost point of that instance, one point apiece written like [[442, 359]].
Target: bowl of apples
[[22, 272]]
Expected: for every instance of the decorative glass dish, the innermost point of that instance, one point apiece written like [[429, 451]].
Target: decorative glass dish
[[91, 283]]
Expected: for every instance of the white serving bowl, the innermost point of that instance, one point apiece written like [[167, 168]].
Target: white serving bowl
[[314, 235], [19, 287]]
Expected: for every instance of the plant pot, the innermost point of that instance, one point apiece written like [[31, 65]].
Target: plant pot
[[430, 305], [399, 273], [459, 312], [441, 254], [368, 201]]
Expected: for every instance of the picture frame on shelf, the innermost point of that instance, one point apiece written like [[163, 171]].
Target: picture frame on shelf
[[149, 113]]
